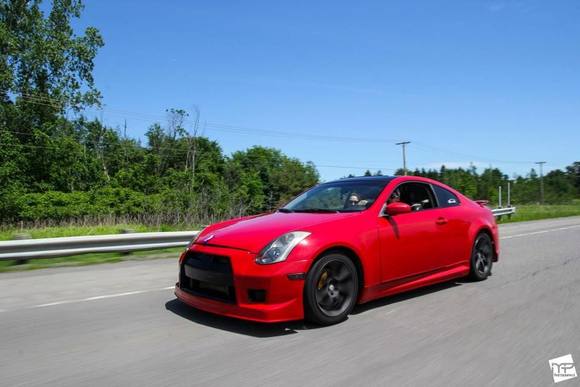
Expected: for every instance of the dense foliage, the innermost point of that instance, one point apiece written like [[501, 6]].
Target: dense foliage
[[100, 173], [55, 164]]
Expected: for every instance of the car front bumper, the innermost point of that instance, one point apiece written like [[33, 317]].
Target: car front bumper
[[281, 285]]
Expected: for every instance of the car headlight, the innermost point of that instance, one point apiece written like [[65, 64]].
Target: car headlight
[[279, 249]]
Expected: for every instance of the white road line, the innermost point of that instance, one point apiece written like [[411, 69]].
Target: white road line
[[540, 232], [95, 298]]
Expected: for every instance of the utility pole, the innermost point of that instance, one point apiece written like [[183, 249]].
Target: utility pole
[[541, 164], [404, 145]]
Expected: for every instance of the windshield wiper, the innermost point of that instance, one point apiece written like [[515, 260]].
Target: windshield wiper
[[285, 210], [318, 210]]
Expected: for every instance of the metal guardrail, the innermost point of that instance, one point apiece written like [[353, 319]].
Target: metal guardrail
[[62, 247], [503, 211]]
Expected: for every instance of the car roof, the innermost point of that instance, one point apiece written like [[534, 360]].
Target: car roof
[[385, 179]]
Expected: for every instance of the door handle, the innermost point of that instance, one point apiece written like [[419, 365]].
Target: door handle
[[441, 220]]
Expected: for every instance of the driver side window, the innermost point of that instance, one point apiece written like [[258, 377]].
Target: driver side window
[[417, 195]]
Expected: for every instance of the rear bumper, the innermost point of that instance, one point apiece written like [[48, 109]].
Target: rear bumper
[[283, 300]]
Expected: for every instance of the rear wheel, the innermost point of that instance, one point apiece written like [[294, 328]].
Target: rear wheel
[[331, 289], [481, 258]]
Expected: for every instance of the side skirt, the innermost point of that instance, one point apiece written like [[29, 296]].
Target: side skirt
[[413, 282]]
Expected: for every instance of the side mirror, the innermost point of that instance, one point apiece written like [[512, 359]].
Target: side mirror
[[397, 208]]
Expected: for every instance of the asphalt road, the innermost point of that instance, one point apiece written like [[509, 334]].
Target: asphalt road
[[120, 325]]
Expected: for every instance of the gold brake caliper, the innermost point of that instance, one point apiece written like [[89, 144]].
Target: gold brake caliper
[[322, 280]]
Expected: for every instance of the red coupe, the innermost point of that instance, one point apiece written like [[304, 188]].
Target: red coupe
[[338, 244]]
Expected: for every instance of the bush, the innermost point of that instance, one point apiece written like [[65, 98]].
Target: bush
[[60, 206], [53, 205]]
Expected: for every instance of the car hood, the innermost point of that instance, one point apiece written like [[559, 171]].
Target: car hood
[[255, 233]]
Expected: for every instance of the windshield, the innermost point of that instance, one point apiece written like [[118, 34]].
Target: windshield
[[339, 196]]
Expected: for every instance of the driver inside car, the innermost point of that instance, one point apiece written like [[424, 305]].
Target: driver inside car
[[395, 197], [355, 201]]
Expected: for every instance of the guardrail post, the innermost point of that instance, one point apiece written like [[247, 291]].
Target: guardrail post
[[20, 237], [126, 231]]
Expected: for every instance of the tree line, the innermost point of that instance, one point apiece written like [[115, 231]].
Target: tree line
[[58, 165], [560, 186]]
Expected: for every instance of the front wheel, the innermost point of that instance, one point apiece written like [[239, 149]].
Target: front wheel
[[331, 289], [481, 258]]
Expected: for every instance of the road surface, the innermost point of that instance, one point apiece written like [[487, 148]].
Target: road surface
[[120, 325]]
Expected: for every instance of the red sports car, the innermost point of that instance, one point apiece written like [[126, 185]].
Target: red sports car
[[338, 244]]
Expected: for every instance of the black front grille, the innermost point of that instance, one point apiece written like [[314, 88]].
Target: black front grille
[[208, 275]]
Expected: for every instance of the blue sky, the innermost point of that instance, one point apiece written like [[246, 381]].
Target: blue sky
[[489, 82]]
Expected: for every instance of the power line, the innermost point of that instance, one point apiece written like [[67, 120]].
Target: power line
[[353, 167], [295, 135], [244, 130], [182, 155], [177, 156], [225, 127], [427, 147]]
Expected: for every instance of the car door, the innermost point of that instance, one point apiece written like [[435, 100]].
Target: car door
[[457, 245], [413, 243]]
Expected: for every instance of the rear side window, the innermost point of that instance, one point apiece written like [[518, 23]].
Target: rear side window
[[445, 197]]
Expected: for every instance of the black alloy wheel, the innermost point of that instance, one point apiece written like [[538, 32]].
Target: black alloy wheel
[[331, 289], [481, 257]]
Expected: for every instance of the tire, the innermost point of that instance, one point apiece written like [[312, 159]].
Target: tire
[[481, 257], [331, 289]]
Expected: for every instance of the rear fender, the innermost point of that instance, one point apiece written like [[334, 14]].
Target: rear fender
[[490, 227]]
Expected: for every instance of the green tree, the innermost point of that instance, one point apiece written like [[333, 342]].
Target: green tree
[[43, 62], [573, 171], [265, 178], [45, 72]]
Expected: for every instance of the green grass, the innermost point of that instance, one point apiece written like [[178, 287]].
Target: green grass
[[536, 212], [8, 233], [90, 259]]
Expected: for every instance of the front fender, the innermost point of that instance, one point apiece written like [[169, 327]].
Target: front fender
[[365, 248]]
